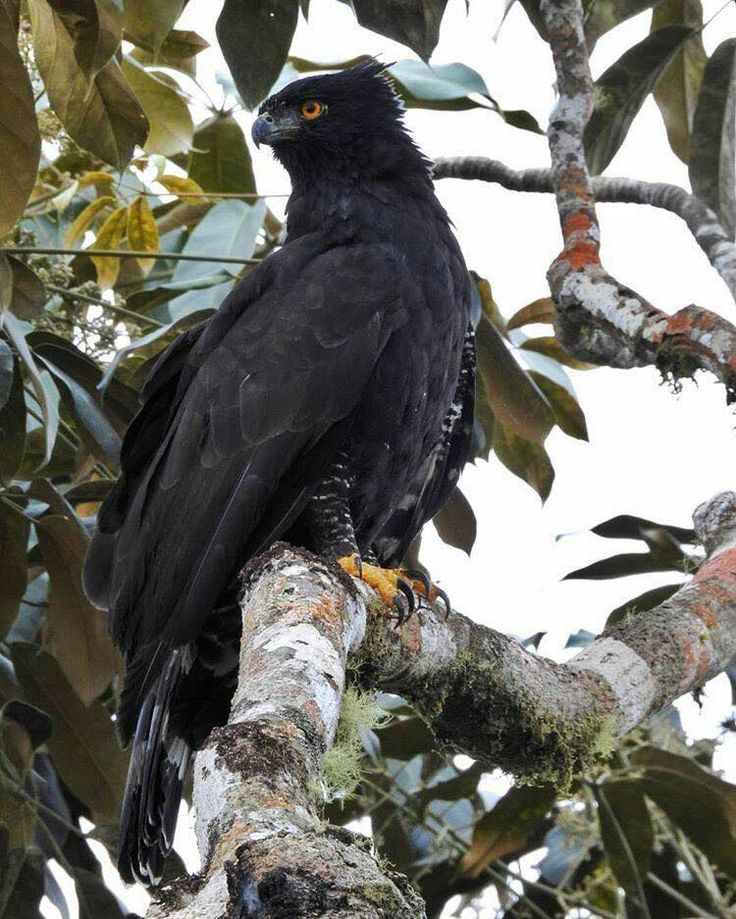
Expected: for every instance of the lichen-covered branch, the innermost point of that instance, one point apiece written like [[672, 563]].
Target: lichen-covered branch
[[257, 783], [699, 218], [597, 319]]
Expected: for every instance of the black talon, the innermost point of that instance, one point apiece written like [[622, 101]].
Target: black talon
[[406, 590], [441, 595], [402, 608], [423, 579]]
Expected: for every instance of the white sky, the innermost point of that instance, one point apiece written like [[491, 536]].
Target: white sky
[[650, 453]]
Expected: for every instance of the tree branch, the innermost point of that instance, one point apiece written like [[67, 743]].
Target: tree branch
[[598, 319], [699, 218], [257, 782], [257, 785]]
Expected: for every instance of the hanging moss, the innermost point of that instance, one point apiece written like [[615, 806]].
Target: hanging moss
[[341, 767]]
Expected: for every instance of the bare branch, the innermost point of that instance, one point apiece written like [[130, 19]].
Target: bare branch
[[598, 319], [699, 218]]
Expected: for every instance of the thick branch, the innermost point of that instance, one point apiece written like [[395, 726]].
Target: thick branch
[[257, 784], [699, 218], [598, 319]]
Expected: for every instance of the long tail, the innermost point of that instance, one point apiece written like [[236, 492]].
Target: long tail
[[159, 760]]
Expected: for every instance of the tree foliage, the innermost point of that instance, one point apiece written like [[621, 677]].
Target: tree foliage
[[123, 223]]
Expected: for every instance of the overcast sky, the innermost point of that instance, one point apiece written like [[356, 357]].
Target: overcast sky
[[651, 453]]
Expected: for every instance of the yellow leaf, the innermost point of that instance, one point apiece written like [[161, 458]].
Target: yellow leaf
[[142, 231], [83, 221], [100, 180], [179, 185], [109, 237]]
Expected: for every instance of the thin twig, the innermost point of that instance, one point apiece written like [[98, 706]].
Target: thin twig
[[678, 897], [128, 253], [98, 301]]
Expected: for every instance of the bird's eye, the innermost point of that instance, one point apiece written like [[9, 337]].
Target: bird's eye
[[312, 109]]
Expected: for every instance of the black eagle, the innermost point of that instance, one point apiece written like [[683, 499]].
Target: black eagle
[[328, 402]]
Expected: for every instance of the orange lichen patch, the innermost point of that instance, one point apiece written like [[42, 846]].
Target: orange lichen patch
[[723, 566], [580, 254], [382, 580], [680, 324], [326, 611], [705, 614], [577, 223], [311, 709], [277, 801], [697, 664]]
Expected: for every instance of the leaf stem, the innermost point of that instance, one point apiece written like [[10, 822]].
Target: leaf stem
[[128, 253], [98, 301]]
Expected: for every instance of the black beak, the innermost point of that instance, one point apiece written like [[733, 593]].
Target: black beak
[[263, 127]]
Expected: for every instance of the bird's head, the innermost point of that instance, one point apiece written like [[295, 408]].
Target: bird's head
[[349, 122]]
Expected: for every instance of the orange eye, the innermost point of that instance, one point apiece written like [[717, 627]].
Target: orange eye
[[312, 109]]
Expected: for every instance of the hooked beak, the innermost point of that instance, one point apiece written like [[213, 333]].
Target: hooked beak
[[266, 130]]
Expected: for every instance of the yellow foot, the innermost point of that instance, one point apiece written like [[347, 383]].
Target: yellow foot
[[396, 587]]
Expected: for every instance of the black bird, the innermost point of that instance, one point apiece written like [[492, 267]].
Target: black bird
[[328, 402]]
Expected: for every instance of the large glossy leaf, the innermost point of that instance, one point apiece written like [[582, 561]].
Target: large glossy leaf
[[507, 827], [526, 459], [255, 38], [230, 228], [621, 90], [515, 400], [602, 15], [647, 600], [676, 92], [95, 27], [75, 629], [171, 127], [441, 86], [415, 23], [220, 160], [627, 526], [14, 529], [456, 522], [83, 743], [628, 838], [20, 140], [43, 397], [28, 294], [713, 146], [103, 116], [12, 427], [703, 805], [618, 566], [149, 23]]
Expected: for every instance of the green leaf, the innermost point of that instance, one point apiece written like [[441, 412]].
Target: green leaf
[[20, 140], [415, 23], [516, 401], [83, 743], [103, 116], [171, 127], [48, 409], [527, 460], [627, 836], [456, 522], [627, 526], [507, 827], [28, 294], [12, 427], [36, 723], [568, 414], [7, 370], [619, 566], [14, 529], [405, 737], [220, 160], [148, 24], [676, 92], [440, 86], [551, 347], [697, 801], [648, 600], [603, 15], [255, 38], [622, 89], [75, 629], [228, 229], [713, 144], [95, 27]]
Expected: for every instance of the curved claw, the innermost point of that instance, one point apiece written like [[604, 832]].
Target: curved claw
[[423, 578], [402, 607], [441, 595], [406, 589]]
